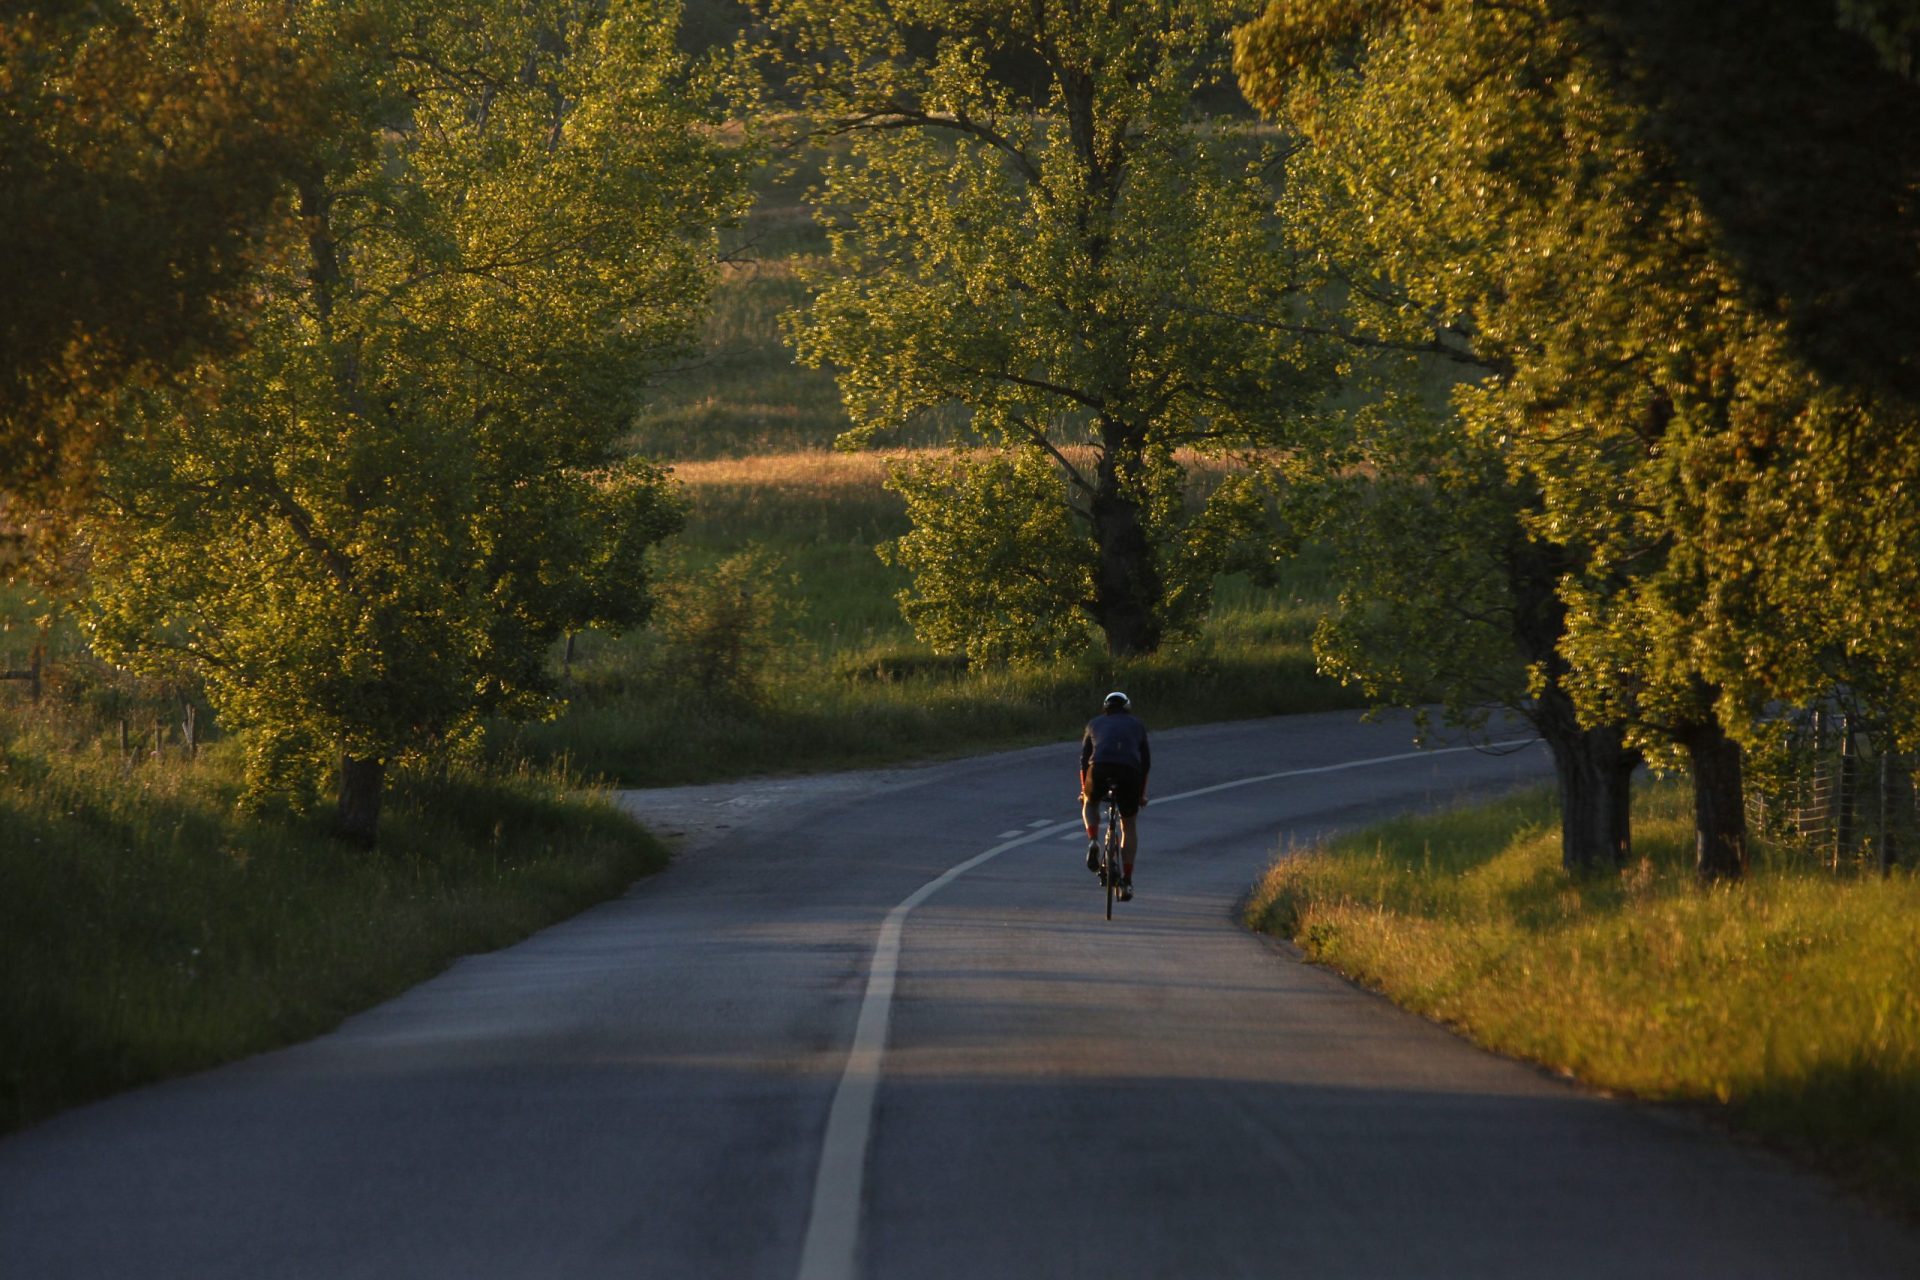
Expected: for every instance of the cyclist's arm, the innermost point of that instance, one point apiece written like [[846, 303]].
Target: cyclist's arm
[[1146, 765]]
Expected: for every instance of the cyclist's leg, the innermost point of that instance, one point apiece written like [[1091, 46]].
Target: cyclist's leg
[[1090, 794], [1130, 823]]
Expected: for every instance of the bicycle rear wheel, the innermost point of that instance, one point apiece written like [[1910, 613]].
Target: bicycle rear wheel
[[1110, 854]]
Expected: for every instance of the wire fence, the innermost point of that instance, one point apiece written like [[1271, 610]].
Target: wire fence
[[1834, 797]]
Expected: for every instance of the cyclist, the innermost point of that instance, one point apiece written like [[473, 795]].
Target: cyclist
[[1114, 750]]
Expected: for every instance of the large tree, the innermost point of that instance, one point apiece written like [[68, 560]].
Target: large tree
[[1446, 595], [1476, 179], [143, 152], [367, 529], [1039, 233], [1684, 373]]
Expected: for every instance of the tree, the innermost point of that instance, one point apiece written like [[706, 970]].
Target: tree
[[143, 152], [1446, 595], [368, 528], [1038, 234], [993, 553], [1801, 154], [1483, 170]]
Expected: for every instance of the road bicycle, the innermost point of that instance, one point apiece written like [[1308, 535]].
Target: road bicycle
[[1111, 852]]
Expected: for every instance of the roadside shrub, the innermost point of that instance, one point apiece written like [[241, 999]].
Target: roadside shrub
[[724, 627]]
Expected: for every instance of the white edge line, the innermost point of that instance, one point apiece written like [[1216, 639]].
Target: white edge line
[[833, 1225]]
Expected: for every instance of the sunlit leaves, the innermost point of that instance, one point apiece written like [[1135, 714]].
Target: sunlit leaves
[[1492, 168], [367, 530], [144, 149], [999, 572], [1041, 241]]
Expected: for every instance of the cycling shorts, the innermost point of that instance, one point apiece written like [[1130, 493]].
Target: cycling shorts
[[1127, 786]]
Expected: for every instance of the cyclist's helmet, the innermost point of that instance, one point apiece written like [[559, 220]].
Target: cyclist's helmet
[[1117, 701]]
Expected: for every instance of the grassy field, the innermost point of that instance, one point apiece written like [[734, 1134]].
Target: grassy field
[[149, 927], [847, 684], [1789, 1003]]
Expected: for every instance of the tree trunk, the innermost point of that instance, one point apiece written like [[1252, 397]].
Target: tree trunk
[[1126, 576], [1594, 770], [361, 784], [1719, 810], [1126, 582], [1593, 767]]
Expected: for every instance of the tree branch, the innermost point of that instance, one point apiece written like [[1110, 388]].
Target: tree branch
[[1081, 398], [1433, 348], [895, 115], [304, 528], [1040, 438]]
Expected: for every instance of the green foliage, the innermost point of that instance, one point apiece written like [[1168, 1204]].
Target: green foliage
[[1531, 196], [1791, 998], [999, 572], [723, 627], [1892, 25], [367, 530], [1425, 527], [1039, 244], [129, 260]]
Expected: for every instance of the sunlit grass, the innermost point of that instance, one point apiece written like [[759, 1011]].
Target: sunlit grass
[[855, 687], [1793, 998], [149, 927], [894, 702]]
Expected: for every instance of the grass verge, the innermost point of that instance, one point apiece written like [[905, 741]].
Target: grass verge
[[1791, 1002], [149, 928]]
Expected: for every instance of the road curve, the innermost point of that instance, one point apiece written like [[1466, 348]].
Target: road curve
[[646, 1090]]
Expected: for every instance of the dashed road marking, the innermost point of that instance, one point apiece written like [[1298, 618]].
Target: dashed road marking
[[831, 1250]]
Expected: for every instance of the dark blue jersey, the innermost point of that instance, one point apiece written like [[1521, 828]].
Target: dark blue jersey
[[1116, 737]]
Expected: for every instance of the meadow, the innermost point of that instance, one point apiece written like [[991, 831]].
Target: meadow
[[1788, 1003], [836, 679], [842, 682]]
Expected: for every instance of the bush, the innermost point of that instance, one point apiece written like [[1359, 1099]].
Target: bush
[[722, 628]]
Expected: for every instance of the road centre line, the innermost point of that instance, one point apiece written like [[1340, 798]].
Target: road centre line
[[831, 1248]]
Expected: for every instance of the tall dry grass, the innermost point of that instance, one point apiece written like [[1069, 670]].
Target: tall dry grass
[[150, 925], [1790, 1001]]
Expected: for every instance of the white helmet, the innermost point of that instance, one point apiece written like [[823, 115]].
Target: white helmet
[[1116, 701]]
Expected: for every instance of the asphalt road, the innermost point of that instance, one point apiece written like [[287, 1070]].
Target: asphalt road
[[690, 1081]]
